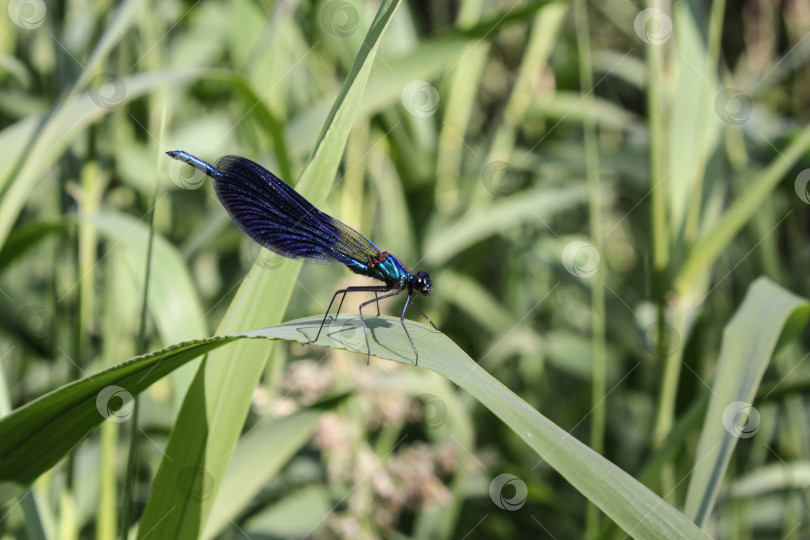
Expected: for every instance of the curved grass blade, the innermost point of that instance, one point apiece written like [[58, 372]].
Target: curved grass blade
[[23, 239], [769, 314], [34, 144], [214, 410], [173, 300], [258, 457], [428, 60], [34, 437], [715, 239], [502, 216], [771, 478]]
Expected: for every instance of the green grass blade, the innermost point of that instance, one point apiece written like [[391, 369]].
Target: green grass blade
[[430, 59], [30, 147], [257, 459], [264, 115], [293, 516], [173, 300], [774, 477], [539, 204], [543, 35], [693, 130], [24, 238], [597, 281], [124, 17], [767, 315], [211, 419], [715, 240], [35, 436], [462, 91]]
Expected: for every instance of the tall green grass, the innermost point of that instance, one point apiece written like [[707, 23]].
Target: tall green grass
[[610, 199]]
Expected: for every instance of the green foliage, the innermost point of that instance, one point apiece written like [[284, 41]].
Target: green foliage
[[610, 199], [61, 419]]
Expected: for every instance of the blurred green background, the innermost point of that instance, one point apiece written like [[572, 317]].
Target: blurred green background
[[592, 186]]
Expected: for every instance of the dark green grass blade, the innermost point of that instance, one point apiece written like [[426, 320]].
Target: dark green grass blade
[[33, 438]]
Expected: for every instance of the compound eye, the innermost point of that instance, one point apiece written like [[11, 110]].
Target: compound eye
[[423, 283]]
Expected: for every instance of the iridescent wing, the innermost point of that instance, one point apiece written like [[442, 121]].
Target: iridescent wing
[[277, 217]]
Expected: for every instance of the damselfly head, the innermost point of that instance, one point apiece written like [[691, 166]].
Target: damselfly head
[[421, 283]]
